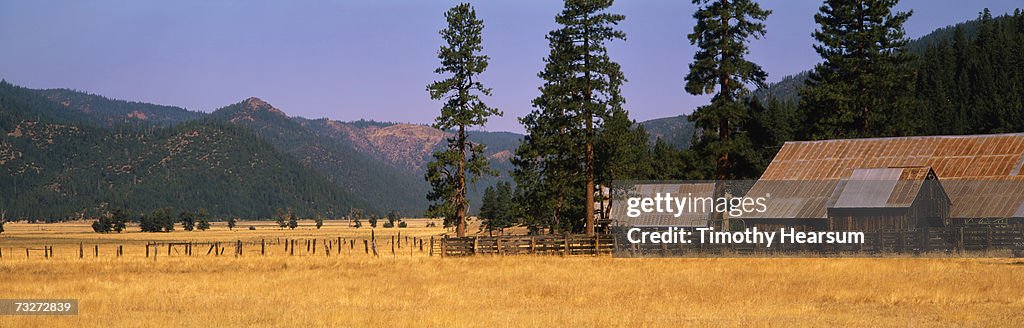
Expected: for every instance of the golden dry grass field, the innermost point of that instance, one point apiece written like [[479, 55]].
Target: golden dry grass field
[[354, 289]]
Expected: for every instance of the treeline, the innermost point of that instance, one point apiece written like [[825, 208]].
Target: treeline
[[971, 85]]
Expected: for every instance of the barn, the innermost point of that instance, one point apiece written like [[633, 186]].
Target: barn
[[893, 183]]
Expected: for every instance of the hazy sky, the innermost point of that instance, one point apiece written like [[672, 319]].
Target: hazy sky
[[348, 60]]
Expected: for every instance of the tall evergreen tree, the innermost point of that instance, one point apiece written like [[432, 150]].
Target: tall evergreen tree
[[461, 60], [580, 92], [720, 67], [863, 86]]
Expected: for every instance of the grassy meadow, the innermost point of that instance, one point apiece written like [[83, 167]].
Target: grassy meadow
[[354, 289]]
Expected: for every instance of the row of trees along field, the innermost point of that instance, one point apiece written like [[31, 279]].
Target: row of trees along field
[[967, 79], [163, 220]]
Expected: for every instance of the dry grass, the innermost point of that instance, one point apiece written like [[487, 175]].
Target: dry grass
[[421, 291]]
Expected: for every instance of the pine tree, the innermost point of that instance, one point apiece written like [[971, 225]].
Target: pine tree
[[580, 92], [720, 67], [496, 210], [461, 90], [863, 86]]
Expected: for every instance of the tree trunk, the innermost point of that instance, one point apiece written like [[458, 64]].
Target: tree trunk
[[460, 189], [588, 98], [722, 167]]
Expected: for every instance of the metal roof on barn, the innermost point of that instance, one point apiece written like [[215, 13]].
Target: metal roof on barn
[[893, 187], [981, 174]]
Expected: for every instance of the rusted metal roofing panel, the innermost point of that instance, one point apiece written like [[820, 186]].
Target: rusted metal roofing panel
[[978, 157]]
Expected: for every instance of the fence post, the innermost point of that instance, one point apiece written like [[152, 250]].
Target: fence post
[[291, 249], [263, 247], [475, 244], [960, 241], [314, 246], [366, 246], [399, 239], [497, 243], [597, 244], [431, 245], [339, 245], [147, 250], [97, 250], [533, 245], [120, 250], [925, 240], [989, 239], [565, 250], [81, 251], [393, 244]]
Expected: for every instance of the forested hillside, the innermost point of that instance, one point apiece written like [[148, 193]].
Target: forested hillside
[[54, 169], [383, 185]]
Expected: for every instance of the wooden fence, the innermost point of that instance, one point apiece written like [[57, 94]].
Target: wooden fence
[[399, 245], [535, 245]]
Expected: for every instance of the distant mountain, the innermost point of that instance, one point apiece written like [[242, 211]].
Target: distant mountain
[[385, 185], [676, 130], [55, 169]]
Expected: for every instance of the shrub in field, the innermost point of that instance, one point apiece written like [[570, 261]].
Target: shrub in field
[[120, 219], [115, 221], [101, 226], [232, 221], [159, 220], [319, 223], [389, 225], [402, 224], [392, 217], [293, 221], [356, 223], [188, 220], [373, 221], [252, 228], [203, 225]]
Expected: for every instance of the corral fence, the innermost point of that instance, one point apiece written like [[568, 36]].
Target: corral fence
[[947, 240], [535, 245]]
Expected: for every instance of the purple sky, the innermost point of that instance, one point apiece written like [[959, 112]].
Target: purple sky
[[348, 60]]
